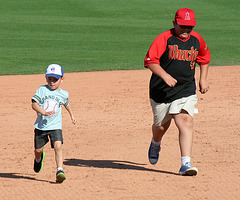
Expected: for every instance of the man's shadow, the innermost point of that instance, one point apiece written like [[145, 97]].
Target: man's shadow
[[112, 164], [21, 176]]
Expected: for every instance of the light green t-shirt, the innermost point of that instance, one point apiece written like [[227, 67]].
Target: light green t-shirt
[[50, 100]]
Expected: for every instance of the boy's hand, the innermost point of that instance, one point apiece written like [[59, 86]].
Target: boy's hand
[[50, 113], [169, 80], [203, 83], [204, 86], [159, 71], [74, 121], [39, 110]]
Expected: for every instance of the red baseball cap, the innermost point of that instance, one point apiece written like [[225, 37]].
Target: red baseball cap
[[185, 17]]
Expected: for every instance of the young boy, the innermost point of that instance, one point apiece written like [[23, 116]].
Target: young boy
[[47, 102], [172, 58]]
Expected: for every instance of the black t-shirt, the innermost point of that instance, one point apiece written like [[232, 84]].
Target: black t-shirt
[[178, 58]]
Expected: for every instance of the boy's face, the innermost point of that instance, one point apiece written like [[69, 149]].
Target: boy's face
[[182, 32], [54, 83]]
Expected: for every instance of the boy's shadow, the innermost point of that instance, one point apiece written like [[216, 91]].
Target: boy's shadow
[[21, 176], [112, 164]]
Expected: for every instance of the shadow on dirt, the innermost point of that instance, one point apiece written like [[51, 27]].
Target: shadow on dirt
[[21, 176], [112, 164]]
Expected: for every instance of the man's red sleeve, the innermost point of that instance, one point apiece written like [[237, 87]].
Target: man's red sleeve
[[157, 48], [204, 55]]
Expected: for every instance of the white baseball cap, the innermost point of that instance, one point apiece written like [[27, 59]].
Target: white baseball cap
[[54, 70]]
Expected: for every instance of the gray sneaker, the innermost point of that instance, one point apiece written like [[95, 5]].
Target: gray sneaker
[[153, 153], [188, 170]]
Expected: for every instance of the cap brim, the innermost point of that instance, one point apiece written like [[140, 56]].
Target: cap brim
[[186, 23], [53, 75]]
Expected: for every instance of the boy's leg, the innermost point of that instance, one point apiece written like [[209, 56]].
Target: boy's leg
[[58, 153], [60, 176], [40, 139], [155, 146], [56, 143], [184, 123], [38, 153], [159, 131], [161, 123], [38, 161]]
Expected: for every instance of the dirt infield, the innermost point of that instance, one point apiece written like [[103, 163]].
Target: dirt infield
[[105, 153]]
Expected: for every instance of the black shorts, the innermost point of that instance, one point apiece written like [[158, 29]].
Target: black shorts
[[42, 137]]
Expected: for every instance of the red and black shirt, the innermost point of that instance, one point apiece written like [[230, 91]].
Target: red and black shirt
[[178, 58]]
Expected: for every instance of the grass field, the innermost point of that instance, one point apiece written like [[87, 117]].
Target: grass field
[[88, 35]]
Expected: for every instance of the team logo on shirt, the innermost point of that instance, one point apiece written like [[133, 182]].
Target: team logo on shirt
[[185, 55]]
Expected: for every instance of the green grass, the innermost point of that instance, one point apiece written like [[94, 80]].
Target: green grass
[[89, 35]]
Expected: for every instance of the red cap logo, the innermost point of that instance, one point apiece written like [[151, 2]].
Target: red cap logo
[[187, 17]]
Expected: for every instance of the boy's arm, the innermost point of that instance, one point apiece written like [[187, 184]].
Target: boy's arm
[[203, 83], [159, 71], [69, 109], [38, 109]]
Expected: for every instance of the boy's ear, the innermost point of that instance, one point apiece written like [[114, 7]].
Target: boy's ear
[[174, 22]]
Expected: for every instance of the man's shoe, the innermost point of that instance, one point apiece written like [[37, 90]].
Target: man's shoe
[[153, 153], [60, 176], [188, 170], [39, 166]]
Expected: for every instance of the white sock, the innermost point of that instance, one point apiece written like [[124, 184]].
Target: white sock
[[185, 159], [157, 143], [38, 160], [60, 168]]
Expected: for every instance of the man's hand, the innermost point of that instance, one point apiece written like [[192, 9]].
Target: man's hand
[[204, 86], [169, 80]]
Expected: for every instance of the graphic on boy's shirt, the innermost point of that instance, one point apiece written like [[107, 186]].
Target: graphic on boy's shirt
[[179, 54], [50, 106]]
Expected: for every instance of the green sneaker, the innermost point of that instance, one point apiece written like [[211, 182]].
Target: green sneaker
[[60, 176], [39, 166]]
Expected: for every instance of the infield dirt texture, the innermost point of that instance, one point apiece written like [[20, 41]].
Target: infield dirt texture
[[105, 153]]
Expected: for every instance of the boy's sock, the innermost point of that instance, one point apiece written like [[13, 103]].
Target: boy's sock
[[38, 160], [185, 159], [157, 143], [60, 168]]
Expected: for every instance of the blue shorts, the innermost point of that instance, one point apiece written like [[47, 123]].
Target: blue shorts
[[42, 137]]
